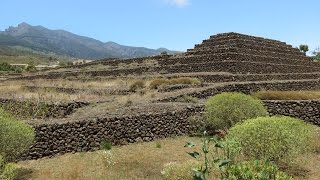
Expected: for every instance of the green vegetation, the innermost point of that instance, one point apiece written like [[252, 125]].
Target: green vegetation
[[20, 55], [220, 159], [15, 136], [304, 48], [316, 54], [287, 95], [255, 170], [7, 170], [174, 171], [226, 109], [278, 138], [106, 145], [7, 67]]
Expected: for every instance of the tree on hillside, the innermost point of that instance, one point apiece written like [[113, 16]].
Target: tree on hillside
[[304, 48], [316, 54]]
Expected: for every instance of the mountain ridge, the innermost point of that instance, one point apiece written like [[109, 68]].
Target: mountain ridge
[[62, 42]]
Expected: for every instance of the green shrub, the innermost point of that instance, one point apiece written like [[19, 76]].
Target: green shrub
[[9, 68], [255, 170], [137, 85], [7, 171], [198, 124], [15, 136], [174, 171], [226, 109], [105, 145], [278, 138]]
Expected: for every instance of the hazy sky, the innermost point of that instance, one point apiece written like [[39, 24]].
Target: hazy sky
[[174, 24]]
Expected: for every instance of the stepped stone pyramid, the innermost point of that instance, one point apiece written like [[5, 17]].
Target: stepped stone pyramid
[[241, 54], [250, 45]]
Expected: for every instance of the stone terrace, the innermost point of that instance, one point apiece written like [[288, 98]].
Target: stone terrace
[[232, 53]]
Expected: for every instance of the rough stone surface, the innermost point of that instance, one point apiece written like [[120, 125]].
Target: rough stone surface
[[53, 139]]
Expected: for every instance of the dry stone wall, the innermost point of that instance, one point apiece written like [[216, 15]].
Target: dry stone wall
[[247, 88], [55, 139], [309, 111], [31, 109]]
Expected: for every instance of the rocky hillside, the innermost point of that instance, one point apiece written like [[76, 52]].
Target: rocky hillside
[[64, 43]]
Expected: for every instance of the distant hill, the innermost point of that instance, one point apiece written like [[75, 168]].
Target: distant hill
[[64, 43], [22, 55]]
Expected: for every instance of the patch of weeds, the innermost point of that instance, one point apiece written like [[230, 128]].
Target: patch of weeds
[[105, 145], [139, 84], [155, 84], [158, 144]]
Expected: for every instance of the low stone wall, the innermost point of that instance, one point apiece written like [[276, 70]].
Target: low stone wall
[[255, 77], [70, 90], [247, 88], [55, 139], [309, 111], [31, 109]]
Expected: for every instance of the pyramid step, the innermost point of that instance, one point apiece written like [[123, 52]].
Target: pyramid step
[[250, 46], [225, 36], [248, 51], [215, 78], [237, 67], [211, 42], [237, 57]]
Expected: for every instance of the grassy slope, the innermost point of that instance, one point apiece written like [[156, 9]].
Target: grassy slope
[[18, 55]]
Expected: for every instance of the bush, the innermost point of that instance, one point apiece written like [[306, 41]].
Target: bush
[[106, 145], [255, 170], [7, 67], [174, 171], [226, 109], [15, 136], [155, 84], [137, 85], [7, 171], [278, 138]]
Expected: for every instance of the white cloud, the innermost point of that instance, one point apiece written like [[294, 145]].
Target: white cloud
[[178, 3]]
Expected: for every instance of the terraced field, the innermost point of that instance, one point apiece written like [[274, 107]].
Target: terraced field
[[131, 100]]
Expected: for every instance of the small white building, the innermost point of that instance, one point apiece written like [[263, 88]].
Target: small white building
[[81, 61]]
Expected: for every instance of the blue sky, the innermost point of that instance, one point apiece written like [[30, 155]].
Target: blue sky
[[174, 24]]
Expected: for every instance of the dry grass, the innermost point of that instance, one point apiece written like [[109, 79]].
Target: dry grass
[[16, 90], [156, 83], [88, 88], [135, 161], [138, 161], [287, 95]]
